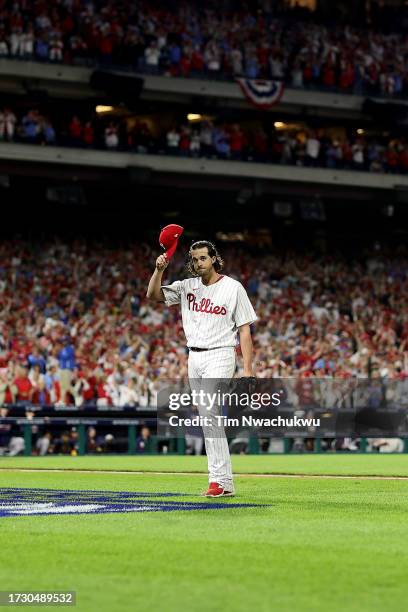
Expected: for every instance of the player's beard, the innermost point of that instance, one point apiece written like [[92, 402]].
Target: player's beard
[[205, 274]]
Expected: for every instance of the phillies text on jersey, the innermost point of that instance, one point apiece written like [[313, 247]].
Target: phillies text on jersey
[[205, 305], [211, 314]]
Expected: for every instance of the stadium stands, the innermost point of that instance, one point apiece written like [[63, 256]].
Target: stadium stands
[[208, 43], [75, 327], [296, 145]]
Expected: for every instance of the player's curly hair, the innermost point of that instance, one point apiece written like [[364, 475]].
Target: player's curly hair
[[212, 251]]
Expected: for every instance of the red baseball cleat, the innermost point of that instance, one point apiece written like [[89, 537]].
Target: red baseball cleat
[[216, 490]]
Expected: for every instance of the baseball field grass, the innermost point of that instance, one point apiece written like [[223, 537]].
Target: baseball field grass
[[300, 543]]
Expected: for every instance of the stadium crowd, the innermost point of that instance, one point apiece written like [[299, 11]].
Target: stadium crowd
[[75, 327], [300, 147], [199, 41]]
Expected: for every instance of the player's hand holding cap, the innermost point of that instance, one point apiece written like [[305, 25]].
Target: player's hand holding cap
[[169, 237]]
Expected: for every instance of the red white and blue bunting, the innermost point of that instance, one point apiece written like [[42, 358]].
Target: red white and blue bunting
[[262, 94]]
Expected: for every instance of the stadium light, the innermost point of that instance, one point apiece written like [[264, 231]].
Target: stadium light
[[279, 125], [360, 131], [103, 109], [194, 117]]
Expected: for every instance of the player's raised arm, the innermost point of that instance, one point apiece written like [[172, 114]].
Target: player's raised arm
[[154, 290], [168, 240]]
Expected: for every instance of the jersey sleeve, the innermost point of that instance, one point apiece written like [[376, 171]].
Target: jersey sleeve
[[244, 312], [172, 293]]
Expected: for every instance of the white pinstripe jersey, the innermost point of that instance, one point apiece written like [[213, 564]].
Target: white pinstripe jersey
[[211, 314]]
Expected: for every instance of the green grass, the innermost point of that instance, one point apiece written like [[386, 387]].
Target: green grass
[[353, 465], [317, 544]]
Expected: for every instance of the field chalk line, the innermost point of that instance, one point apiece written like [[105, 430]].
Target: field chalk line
[[240, 475]]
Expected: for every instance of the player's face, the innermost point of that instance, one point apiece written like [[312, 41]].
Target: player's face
[[202, 262]]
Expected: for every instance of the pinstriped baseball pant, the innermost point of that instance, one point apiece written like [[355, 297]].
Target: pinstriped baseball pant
[[207, 370]]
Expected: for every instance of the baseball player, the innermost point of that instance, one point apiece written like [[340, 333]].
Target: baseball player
[[214, 308]]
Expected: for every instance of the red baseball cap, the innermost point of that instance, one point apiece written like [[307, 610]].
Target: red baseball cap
[[169, 237]]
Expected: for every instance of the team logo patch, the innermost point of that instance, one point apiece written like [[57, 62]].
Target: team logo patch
[[36, 502]]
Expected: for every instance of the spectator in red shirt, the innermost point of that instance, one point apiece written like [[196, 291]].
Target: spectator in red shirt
[[89, 392], [262, 54], [184, 144], [103, 398], [88, 135], [68, 24], [391, 160], [23, 384], [75, 132], [106, 49], [347, 155], [328, 76], [307, 74], [260, 145], [185, 65], [347, 76], [277, 148], [197, 61], [237, 141]]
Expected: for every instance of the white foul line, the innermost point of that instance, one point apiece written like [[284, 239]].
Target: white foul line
[[240, 475]]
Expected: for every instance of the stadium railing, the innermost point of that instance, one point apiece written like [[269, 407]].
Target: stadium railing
[[74, 81], [114, 160]]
